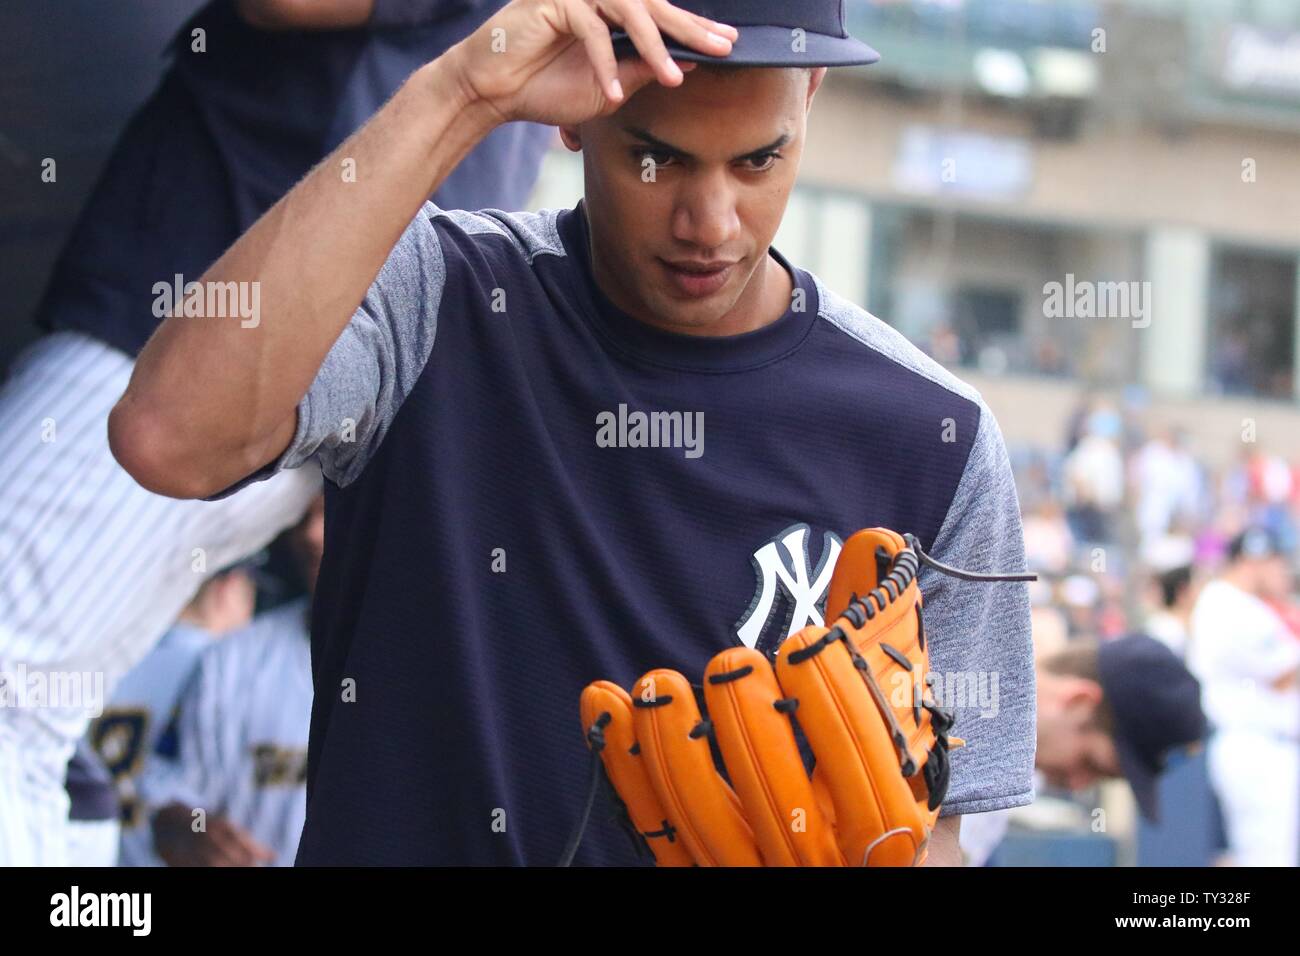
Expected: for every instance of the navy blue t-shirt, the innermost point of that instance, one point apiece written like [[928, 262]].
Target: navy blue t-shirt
[[239, 118], [500, 532]]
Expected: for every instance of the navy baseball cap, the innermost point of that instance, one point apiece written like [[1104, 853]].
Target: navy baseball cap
[[789, 33], [1157, 707]]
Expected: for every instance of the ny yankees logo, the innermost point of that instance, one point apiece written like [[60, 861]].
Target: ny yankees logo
[[788, 591]]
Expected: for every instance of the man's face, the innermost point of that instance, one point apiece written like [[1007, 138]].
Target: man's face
[[1074, 752], [686, 187]]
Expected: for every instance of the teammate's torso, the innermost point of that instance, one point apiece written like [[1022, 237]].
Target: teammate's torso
[[1239, 645], [264, 691], [127, 734]]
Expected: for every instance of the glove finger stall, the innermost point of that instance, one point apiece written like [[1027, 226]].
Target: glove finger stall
[[763, 761], [876, 817], [621, 756], [679, 763]]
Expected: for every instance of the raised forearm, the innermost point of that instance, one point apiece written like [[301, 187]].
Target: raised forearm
[[212, 399]]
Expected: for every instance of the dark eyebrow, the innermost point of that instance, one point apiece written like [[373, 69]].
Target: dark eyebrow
[[645, 137]]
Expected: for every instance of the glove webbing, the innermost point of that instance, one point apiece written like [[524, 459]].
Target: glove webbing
[[902, 567]]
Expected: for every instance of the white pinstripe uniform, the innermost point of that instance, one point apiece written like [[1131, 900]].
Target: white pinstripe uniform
[[93, 570], [242, 733], [136, 718]]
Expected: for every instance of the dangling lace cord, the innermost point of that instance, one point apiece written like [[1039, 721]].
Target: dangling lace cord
[[958, 573], [597, 737]]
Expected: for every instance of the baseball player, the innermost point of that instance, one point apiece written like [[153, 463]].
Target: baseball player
[[574, 444], [1249, 664], [93, 569], [241, 743], [1105, 710], [144, 704]]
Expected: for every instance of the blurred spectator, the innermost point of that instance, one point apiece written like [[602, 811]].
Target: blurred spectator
[[1169, 621], [1104, 710], [1077, 424], [1268, 484], [1048, 624], [241, 755], [1094, 478], [1249, 664], [1049, 545], [137, 720], [1230, 363], [1049, 358], [944, 345], [1166, 484], [1079, 596]]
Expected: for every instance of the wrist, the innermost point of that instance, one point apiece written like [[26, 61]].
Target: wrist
[[444, 80]]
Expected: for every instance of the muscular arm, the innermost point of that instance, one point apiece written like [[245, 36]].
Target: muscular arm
[[305, 14], [210, 400]]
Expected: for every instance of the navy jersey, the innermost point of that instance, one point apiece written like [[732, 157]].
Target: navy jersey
[[241, 115], [529, 490]]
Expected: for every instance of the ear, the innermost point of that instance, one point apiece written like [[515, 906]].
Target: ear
[[815, 81], [571, 138], [1081, 692]]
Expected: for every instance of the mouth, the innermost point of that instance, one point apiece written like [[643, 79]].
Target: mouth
[[697, 280]]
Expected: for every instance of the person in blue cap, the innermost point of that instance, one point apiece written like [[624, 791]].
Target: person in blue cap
[[576, 443], [1106, 710]]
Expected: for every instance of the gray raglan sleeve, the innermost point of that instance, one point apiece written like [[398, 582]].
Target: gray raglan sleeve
[[981, 653], [372, 366]]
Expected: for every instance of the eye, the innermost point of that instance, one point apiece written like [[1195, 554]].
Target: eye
[[657, 158], [761, 162]]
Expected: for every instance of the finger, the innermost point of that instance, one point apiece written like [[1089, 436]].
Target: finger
[[238, 845], [225, 849], [878, 820], [674, 742], [752, 723], [592, 31], [255, 851], [697, 32], [215, 848], [641, 28], [714, 26], [608, 707]]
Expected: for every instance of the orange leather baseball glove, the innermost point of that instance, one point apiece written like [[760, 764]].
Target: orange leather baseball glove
[[856, 689]]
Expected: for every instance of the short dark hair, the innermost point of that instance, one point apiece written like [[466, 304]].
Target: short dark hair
[[1173, 583], [1081, 658]]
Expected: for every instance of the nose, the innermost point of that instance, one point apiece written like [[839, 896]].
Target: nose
[[706, 216]]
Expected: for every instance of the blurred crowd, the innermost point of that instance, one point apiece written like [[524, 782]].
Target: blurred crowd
[[1132, 532], [1124, 524]]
